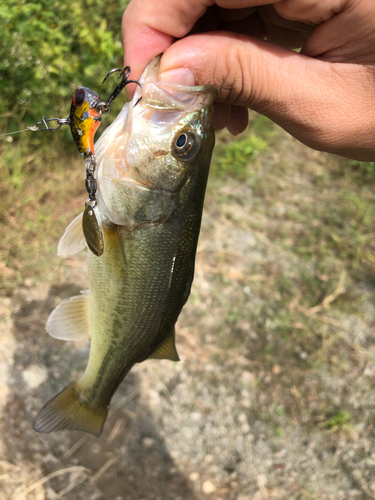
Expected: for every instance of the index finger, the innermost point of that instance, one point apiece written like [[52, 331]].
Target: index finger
[[149, 27]]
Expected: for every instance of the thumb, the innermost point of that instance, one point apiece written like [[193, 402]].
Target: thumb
[[324, 105]]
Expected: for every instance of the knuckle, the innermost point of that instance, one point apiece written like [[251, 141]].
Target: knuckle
[[229, 77]]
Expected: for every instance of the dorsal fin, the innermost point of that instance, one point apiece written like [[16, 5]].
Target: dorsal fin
[[73, 239], [70, 319], [167, 349]]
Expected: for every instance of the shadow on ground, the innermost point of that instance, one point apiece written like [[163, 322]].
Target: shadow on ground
[[129, 461]]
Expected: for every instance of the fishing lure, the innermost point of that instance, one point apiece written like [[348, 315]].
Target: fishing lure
[[87, 109], [84, 120]]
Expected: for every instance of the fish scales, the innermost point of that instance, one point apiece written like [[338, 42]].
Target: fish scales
[[143, 306], [152, 176]]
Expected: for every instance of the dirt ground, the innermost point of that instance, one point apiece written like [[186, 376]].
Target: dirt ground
[[274, 395]]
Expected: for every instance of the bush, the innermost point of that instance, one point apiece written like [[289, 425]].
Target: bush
[[48, 48]]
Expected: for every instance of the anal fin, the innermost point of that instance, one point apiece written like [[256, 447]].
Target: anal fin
[[70, 319], [167, 349]]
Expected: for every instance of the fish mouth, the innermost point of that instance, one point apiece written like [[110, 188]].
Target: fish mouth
[[173, 96], [157, 104]]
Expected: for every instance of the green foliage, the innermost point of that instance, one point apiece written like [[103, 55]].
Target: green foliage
[[278, 431], [37, 185], [49, 48], [361, 172], [232, 159], [340, 421]]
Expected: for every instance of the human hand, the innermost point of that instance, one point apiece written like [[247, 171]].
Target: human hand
[[323, 96]]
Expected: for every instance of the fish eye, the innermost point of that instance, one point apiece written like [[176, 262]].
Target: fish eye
[[181, 141], [186, 145], [79, 97]]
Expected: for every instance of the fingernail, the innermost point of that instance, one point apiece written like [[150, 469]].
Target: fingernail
[[233, 129], [182, 76]]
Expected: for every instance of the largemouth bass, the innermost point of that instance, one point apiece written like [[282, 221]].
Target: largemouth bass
[[152, 168]]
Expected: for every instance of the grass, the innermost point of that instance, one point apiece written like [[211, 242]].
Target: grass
[[310, 272], [335, 225], [341, 421], [38, 182], [234, 156]]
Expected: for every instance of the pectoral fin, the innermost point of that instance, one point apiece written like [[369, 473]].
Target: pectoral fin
[[70, 319], [167, 349], [73, 240]]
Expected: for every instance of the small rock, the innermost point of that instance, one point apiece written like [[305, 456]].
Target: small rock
[[208, 487], [5, 307], [49, 494], [248, 379], [4, 391], [96, 496], [208, 459], [242, 417], [96, 448], [148, 442], [194, 476], [34, 375], [50, 458], [195, 416], [245, 428], [261, 480]]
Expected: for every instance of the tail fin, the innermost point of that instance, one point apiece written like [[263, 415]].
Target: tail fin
[[66, 411]]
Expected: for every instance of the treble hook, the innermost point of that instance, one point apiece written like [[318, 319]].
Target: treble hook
[[124, 73]]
